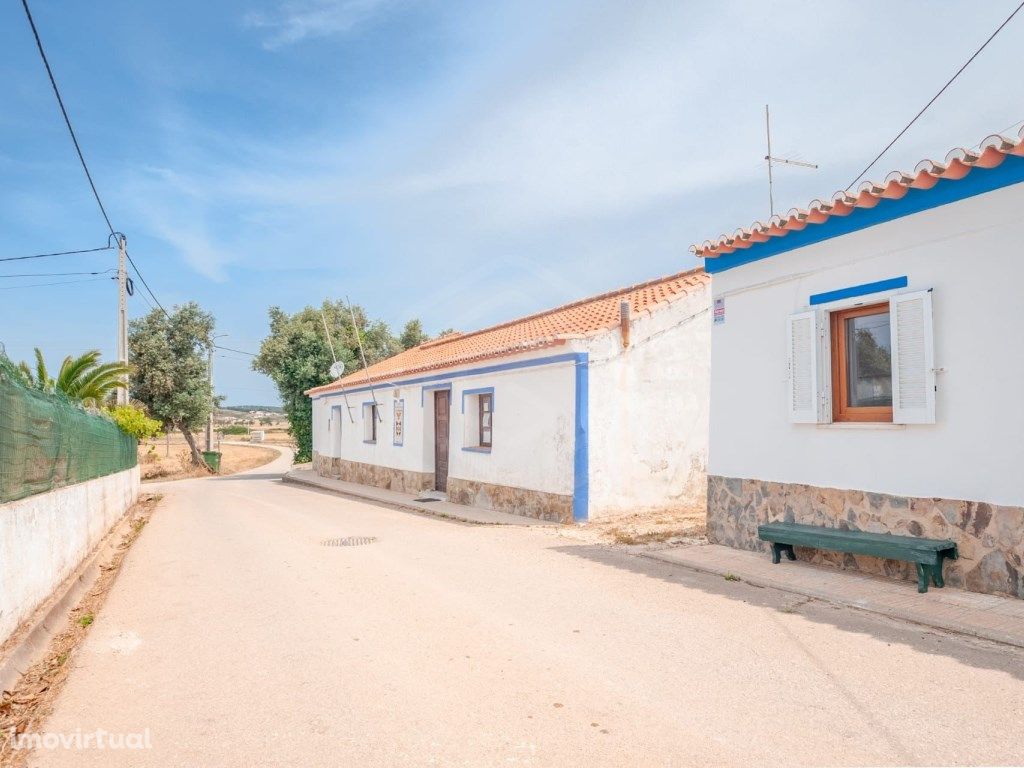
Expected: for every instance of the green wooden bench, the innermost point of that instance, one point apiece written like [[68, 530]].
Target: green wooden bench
[[926, 554]]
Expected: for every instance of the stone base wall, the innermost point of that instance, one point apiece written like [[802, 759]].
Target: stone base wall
[[517, 501], [989, 537], [403, 480]]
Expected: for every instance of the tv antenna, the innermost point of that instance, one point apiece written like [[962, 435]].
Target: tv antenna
[[772, 159]]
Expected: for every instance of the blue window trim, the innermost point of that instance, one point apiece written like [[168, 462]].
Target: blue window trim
[[977, 182], [363, 414], [859, 290], [475, 449], [478, 391], [581, 450], [393, 442], [432, 388]]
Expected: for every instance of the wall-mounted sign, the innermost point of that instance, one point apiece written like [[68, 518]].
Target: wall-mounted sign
[[719, 313], [399, 436]]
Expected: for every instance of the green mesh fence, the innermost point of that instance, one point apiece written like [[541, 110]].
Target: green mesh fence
[[47, 441]]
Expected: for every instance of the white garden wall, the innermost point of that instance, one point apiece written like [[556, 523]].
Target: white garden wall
[[969, 253], [44, 538]]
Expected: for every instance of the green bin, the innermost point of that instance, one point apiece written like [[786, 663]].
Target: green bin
[[213, 459]]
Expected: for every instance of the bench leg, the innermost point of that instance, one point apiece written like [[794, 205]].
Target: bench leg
[[788, 549], [937, 579], [924, 573], [776, 550]]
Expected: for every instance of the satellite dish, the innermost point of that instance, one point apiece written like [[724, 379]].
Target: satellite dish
[[337, 370]]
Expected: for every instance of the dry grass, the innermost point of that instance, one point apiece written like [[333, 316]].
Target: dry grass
[[157, 465], [26, 707]]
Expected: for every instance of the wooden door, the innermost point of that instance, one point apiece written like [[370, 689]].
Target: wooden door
[[441, 419]]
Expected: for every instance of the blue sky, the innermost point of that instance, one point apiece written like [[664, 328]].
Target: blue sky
[[461, 162]]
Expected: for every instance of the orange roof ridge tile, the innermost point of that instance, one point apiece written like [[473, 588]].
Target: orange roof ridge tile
[[957, 163], [551, 327], [573, 305]]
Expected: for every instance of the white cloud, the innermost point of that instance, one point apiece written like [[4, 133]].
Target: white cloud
[[298, 20]]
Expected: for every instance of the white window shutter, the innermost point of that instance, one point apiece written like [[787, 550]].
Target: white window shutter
[[913, 358], [808, 386]]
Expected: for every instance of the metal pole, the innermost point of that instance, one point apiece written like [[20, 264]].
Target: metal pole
[[344, 394], [768, 157], [122, 313], [209, 418], [362, 355]]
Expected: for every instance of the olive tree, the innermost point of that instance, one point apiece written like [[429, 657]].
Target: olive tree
[[297, 356], [170, 375]]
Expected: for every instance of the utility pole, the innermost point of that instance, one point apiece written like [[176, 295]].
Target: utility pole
[[209, 371], [122, 313], [209, 418]]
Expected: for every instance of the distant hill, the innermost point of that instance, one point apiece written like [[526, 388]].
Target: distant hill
[[247, 408]]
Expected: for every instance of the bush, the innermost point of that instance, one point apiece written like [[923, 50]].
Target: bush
[[234, 429], [134, 421]]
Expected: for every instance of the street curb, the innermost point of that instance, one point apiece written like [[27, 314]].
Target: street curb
[[44, 625], [954, 627], [288, 478]]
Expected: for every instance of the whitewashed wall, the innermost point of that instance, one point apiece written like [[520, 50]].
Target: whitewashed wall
[[649, 410], [45, 537], [969, 252], [533, 439]]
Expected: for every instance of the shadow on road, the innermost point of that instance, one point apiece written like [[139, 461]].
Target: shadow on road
[[976, 653]]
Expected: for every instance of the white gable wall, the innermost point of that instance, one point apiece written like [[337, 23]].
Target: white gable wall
[[969, 252], [649, 410]]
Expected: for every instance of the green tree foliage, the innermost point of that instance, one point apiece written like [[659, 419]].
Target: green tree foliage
[[412, 335], [134, 421], [169, 357], [83, 378], [297, 357]]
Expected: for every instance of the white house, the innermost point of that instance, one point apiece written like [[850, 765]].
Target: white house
[[867, 364], [592, 408]]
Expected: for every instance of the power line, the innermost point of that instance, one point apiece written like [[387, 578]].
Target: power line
[[936, 96], [78, 149], [57, 253], [57, 274], [229, 349], [64, 112], [145, 284], [42, 285]]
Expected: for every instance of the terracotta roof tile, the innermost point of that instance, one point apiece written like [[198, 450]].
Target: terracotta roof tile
[[957, 164], [544, 329]]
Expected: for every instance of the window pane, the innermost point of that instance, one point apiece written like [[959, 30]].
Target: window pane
[[869, 361]]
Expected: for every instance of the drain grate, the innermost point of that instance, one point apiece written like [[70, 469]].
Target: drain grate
[[349, 541], [424, 501]]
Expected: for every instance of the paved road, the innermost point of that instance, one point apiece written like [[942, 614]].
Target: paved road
[[237, 639]]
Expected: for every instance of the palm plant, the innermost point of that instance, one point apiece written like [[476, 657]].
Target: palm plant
[[83, 378], [40, 377]]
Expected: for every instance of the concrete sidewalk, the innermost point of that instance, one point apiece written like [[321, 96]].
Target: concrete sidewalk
[[407, 501], [989, 617]]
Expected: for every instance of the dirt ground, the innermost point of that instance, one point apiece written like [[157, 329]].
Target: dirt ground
[[24, 709], [157, 462], [650, 526]]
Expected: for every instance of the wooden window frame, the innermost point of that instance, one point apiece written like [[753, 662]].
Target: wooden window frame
[[481, 399], [841, 409]]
